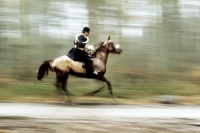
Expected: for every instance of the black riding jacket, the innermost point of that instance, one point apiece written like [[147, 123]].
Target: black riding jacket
[[80, 42]]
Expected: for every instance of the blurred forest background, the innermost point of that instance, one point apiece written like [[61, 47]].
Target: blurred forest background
[[161, 42]]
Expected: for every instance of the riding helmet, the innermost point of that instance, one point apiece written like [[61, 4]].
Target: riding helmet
[[86, 29]]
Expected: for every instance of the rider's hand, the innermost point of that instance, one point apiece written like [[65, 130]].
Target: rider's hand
[[90, 47]]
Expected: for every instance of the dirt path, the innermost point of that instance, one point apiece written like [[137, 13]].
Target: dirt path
[[61, 118]]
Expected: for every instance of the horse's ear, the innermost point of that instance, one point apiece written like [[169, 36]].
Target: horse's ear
[[108, 37]]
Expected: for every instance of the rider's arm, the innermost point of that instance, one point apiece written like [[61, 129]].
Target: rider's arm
[[90, 47]]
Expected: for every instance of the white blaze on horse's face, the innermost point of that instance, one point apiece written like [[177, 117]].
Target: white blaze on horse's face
[[118, 49], [117, 46]]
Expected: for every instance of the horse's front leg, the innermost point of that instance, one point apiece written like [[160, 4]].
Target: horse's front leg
[[110, 89], [102, 78], [94, 92]]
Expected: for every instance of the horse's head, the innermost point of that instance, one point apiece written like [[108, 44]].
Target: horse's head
[[112, 46]]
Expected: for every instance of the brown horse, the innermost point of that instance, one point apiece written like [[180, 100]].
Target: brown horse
[[63, 66]]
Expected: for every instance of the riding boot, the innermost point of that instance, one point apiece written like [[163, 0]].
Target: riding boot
[[90, 70]]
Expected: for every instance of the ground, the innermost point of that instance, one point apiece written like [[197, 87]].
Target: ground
[[62, 118]]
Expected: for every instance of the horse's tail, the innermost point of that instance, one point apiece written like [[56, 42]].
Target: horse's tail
[[44, 69]]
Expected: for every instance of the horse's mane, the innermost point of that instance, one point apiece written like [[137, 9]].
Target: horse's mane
[[98, 49]]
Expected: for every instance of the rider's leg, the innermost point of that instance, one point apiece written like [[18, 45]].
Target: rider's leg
[[89, 67], [84, 57]]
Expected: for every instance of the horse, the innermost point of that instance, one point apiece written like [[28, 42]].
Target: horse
[[63, 66]]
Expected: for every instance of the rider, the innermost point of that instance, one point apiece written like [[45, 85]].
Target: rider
[[80, 54]]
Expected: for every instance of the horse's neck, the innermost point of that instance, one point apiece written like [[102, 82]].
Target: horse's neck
[[102, 55]]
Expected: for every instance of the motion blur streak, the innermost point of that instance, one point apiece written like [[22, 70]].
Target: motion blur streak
[[161, 56], [160, 39]]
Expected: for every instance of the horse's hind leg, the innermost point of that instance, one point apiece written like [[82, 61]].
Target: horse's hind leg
[[64, 82], [58, 83]]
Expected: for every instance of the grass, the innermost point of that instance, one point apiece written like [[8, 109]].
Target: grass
[[21, 90], [141, 91]]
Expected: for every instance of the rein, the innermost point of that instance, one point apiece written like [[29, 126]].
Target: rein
[[97, 44]]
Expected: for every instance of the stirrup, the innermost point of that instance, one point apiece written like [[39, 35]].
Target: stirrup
[[95, 73]]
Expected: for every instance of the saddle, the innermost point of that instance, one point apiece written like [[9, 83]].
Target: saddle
[[72, 57]]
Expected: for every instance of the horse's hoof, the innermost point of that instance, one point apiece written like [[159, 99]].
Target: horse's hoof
[[114, 99], [69, 102], [57, 85], [70, 94]]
